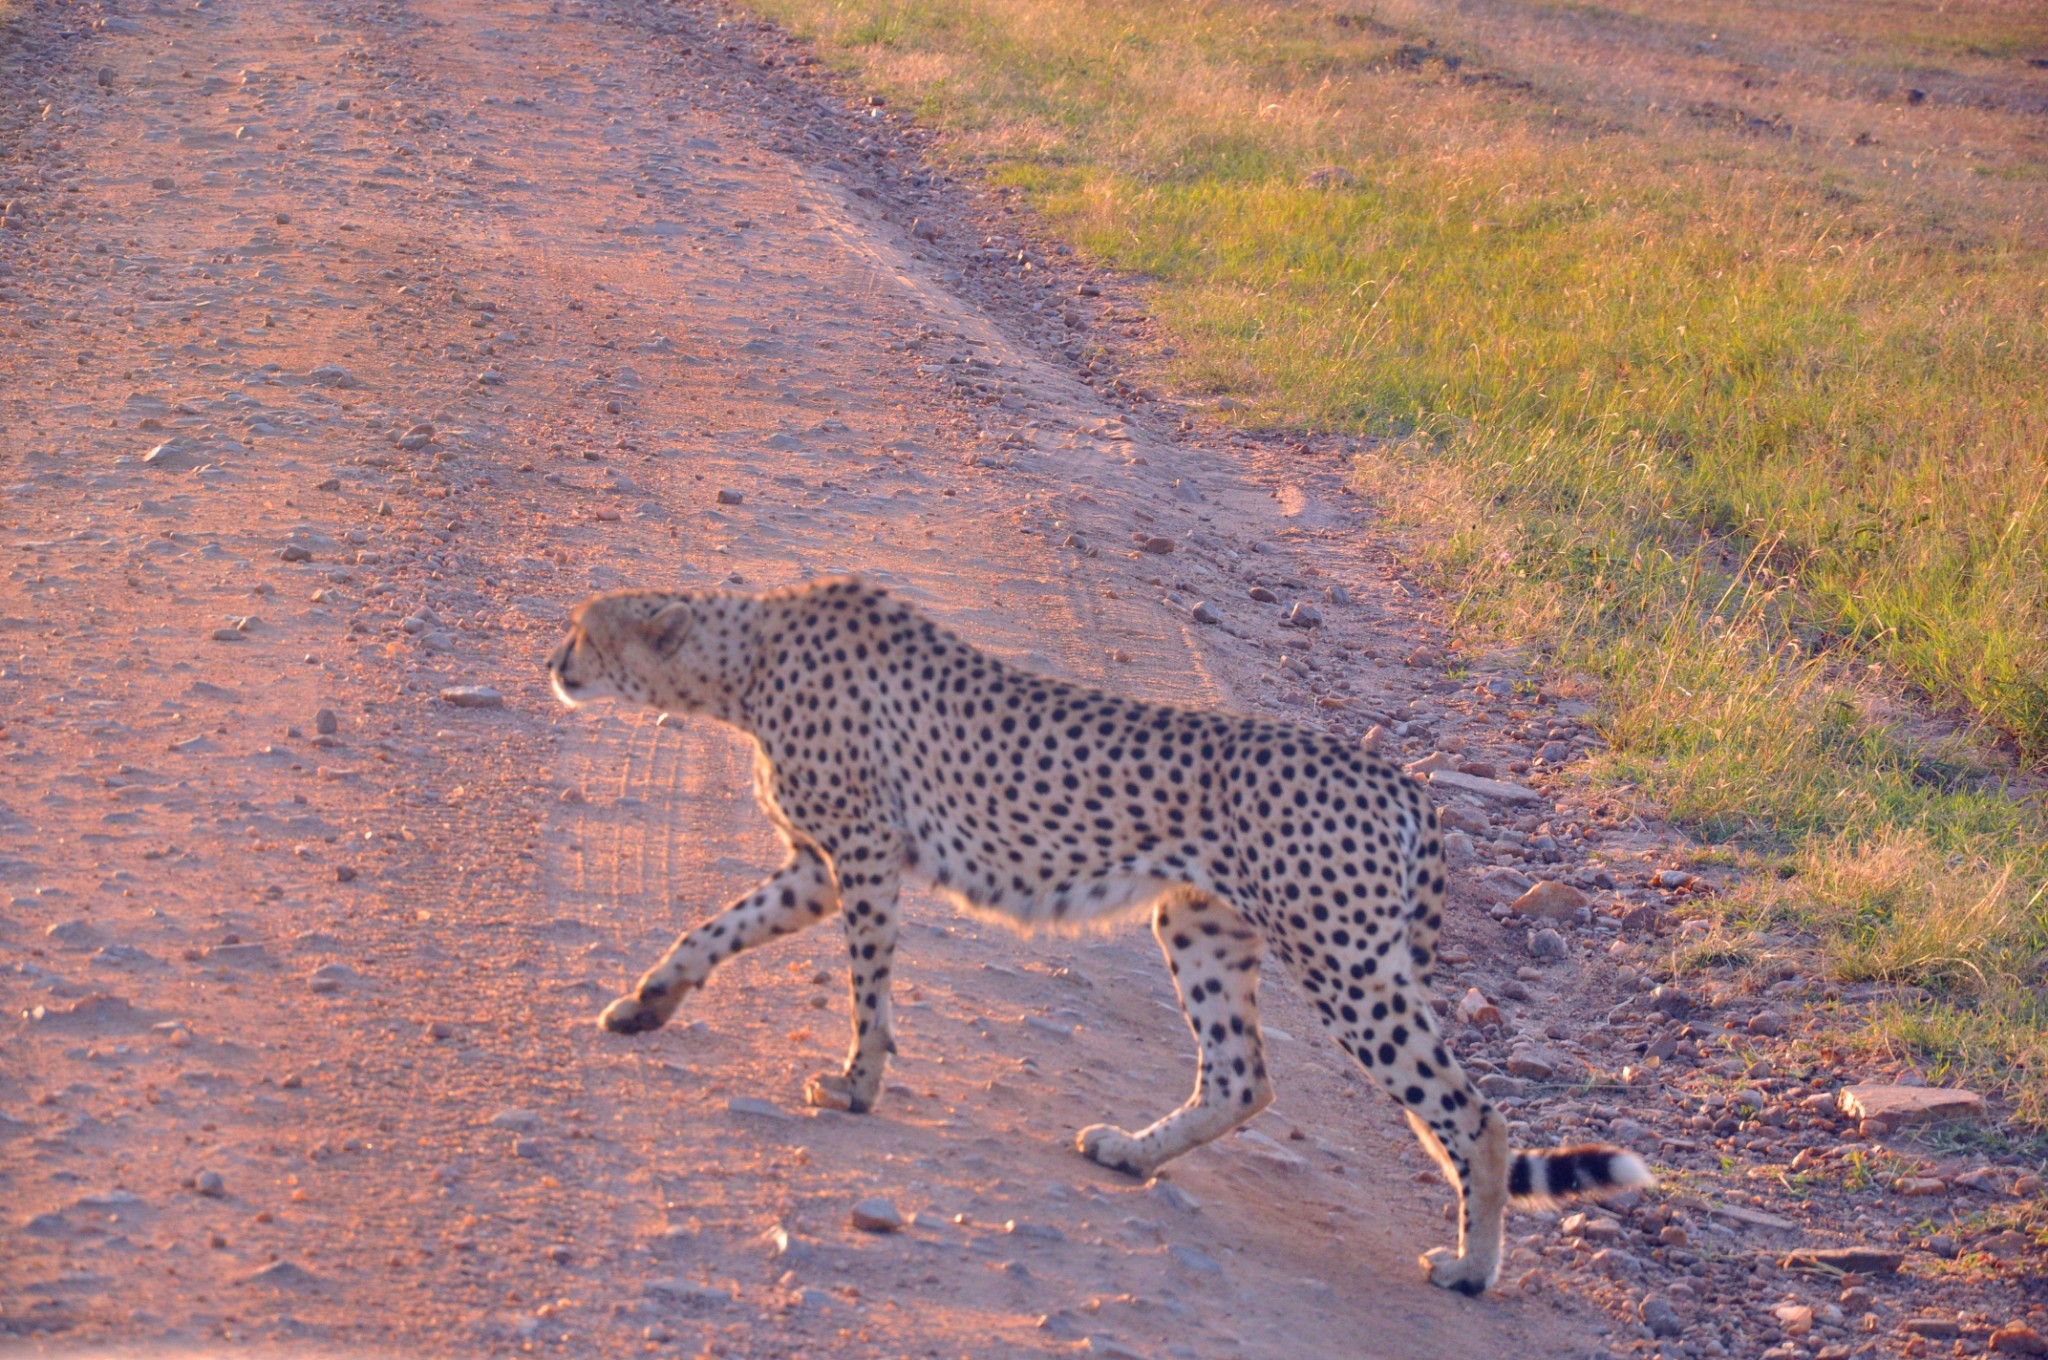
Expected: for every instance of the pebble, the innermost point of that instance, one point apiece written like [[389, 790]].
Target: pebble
[[325, 723], [1305, 615], [438, 1030], [472, 696], [515, 1118], [344, 873], [333, 375], [210, 1184], [1263, 595], [1204, 612], [877, 1215], [1547, 944], [295, 552], [728, 496], [1156, 543], [1767, 1023], [163, 184]]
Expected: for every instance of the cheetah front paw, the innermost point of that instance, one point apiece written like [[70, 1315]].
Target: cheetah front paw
[[835, 1091], [1113, 1148], [1448, 1270], [646, 1007]]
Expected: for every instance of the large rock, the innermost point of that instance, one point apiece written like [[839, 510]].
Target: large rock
[[1897, 1105]]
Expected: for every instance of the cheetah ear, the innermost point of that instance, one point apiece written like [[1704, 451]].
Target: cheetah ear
[[668, 630]]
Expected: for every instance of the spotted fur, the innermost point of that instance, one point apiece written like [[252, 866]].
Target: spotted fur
[[888, 747]]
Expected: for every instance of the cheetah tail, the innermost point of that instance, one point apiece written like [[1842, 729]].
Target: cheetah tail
[[1588, 1171]]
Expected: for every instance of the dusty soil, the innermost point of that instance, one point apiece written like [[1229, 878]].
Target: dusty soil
[[344, 347]]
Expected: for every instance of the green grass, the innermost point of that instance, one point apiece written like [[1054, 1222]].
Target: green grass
[[1723, 420]]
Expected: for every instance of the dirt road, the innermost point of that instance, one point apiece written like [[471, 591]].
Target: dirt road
[[345, 346]]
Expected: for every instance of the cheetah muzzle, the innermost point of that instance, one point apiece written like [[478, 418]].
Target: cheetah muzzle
[[889, 748]]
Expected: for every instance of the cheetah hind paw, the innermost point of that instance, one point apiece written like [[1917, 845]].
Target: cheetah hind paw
[[833, 1091], [1448, 1270], [1112, 1147]]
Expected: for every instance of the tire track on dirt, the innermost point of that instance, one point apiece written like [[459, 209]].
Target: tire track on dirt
[[551, 235]]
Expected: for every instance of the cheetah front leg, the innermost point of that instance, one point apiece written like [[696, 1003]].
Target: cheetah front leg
[[1214, 956], [798, 894], [869, 877]]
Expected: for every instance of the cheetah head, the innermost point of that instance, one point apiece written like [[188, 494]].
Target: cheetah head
[[678, 651]]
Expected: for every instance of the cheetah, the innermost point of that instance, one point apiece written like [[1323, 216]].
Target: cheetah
[[887, 748]]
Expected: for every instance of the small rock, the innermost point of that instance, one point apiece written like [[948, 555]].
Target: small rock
[[1547, 944], [437, 1030], [1549, 901], [1897, 1105], [728, 496], [295, 552], [1476, 1010], [1794, 1319], [1916, 1186], [331, 977], [760, 1109], [325, 723], [1660, 1316], [163, 184], [1263, 595], [1934, 1328], [1198, 1262], [1615, 1263], [1770, 1024], [2017, 1338], [1305, 615], [344, 873], [173, 455], [1204, 612], [1156, 543], [282, 1275], [1554, 753], [1037, 1232], [472, 696], [210, 1184], [1529, 1064], [333, 375], [877, 1215], [1337, 594], [523, 1121], [528, 1148]]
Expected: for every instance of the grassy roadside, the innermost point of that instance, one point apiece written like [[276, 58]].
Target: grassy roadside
[[1722, 415]]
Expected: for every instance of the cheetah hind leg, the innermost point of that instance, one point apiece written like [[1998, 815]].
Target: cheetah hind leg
[[1214, 957]]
